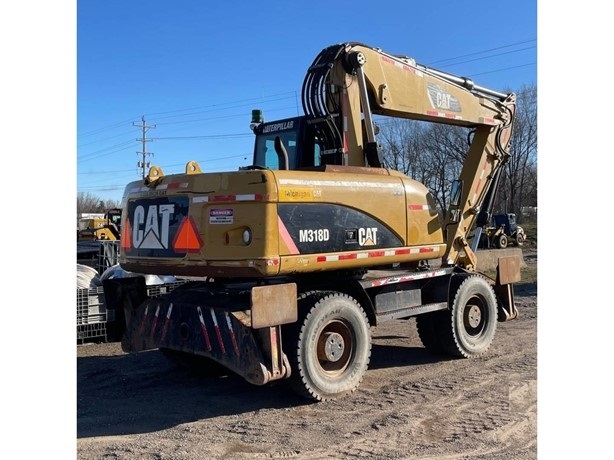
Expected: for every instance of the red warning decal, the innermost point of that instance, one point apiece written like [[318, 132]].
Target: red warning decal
[[187, 238], [125, 236]]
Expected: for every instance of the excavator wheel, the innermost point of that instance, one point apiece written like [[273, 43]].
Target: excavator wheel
[[472, 321], [329, 347], [428, 326], [520, 238], [501, 241]]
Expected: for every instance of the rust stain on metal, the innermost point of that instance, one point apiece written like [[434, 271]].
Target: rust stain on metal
[[509, 269], [273, 305]]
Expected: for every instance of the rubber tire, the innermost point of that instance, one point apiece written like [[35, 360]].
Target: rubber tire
[[195, 364], [501, 241], [484, 242], [314, 377], [520, 239], [460, 338], [428, 326]]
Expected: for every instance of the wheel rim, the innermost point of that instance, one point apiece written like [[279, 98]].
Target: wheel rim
[[475, 316], [334, 347]]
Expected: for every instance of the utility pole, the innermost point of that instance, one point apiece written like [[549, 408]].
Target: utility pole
[[143, 164]]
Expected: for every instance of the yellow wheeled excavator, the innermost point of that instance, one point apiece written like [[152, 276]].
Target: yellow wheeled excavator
[[292, 261]]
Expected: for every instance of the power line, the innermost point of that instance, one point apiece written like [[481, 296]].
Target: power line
[[442, 61], [506, 68], [292, 94], [122, 134], [487, 57], [101, 153], [230, 105], [106, 128], [207, 161], [211, 136], [187, 112]]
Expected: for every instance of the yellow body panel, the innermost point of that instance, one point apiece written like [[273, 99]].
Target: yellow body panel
[[358, 217]]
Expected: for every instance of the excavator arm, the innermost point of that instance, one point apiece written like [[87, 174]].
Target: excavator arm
[[349, 83]]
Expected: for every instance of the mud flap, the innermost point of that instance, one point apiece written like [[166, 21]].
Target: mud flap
[[118, 293], [182, 323], [508, 272]]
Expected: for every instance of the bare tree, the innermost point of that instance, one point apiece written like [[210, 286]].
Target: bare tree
[[434, 154], [445, 150], [401, 141], [430, 153], [519, 184], [88, 202]]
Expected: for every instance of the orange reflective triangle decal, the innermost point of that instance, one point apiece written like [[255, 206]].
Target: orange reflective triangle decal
[[124, 238], [187, 238]]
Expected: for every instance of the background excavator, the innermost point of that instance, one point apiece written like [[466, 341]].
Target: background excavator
[[106, 227], [503, 231], [292, 260]]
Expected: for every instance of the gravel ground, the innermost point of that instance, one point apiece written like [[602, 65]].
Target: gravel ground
[[411, 404]]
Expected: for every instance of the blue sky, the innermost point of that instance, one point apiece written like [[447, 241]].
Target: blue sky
[[194, 69]]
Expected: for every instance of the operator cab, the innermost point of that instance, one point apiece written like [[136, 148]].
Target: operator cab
[[298, 135], [508, 221]]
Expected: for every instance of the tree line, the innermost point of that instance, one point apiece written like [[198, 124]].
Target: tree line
[[88, 202]]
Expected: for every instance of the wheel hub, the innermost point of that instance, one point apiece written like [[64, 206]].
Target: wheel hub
[[474, 316], [332, 346]]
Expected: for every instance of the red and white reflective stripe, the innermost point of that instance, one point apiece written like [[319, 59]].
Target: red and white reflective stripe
[[218, 332], [171, 186], [435, 113], [418, 207], [166, 322], [400, 279], [373, 254], [142, 326], [392, 186], [225, 198], [232, 333], [138, 189], [487, 121], [203, 328], [155, 322], [402, 66]]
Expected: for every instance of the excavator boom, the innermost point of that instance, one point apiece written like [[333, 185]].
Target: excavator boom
[[349, 83]]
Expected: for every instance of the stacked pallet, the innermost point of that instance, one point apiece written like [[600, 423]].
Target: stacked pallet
[[91, 311]]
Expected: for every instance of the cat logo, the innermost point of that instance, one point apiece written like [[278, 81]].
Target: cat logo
[[150, 229], [367, 236], [150, 226], [441, 99]]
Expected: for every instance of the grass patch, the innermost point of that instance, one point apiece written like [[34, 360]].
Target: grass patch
[[530, 229], [528, 274]]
